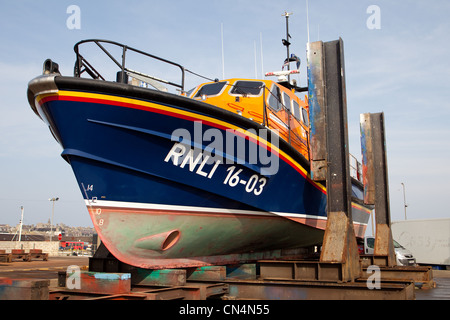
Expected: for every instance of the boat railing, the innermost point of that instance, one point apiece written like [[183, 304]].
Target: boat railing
[[290, 117], [355, 165], [83, 66]]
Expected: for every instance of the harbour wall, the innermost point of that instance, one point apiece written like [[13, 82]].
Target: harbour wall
[[50, 247]]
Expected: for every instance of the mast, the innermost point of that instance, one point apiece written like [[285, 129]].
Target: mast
[[284, 77], [286, 41], [21, 224]]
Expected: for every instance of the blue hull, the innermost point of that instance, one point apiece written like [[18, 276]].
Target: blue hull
[[131, 162]]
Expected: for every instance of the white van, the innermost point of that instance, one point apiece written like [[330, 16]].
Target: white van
[[403, 255]]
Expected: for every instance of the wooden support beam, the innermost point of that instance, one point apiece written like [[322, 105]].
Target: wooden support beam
[[375, 177], [330, 154], [24, 289], [317, 111]]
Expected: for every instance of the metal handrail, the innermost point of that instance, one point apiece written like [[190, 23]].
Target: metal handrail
[[81, 62], [290, 116], [82, 65]]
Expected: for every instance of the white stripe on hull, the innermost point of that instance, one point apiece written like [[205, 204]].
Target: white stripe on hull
[[164, 207]]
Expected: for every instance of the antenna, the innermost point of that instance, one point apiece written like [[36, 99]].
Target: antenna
[[307, 19], [223, 58], [262, 60], [256, 67]]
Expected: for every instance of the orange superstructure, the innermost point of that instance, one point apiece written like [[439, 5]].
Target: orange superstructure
[[264, 101]]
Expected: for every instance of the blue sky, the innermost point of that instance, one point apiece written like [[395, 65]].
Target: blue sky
[[401, 69]]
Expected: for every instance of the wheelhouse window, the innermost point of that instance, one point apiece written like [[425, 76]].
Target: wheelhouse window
[[275, 98], [287, 101], [247, 88], [296, 110], [188, 93], [211, 89], [305, 117]]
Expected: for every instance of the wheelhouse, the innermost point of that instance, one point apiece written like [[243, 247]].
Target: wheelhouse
[[263, 101]]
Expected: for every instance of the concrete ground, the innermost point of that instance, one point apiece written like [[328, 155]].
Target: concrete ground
[[442, 289], [38, 269]]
